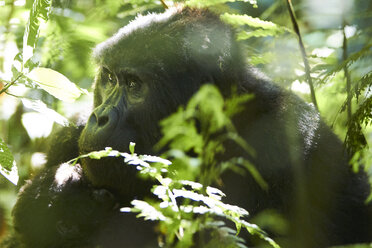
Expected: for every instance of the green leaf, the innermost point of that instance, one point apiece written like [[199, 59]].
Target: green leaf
[[206, 3], [238, 20], [365, 51], [254, 172], [364, 83], [40, 10], [108, 152], [261, 58], [131, 147], [8, 166], [254, 229], [145, 210], [263, 28], [245, 35], [55, 84], [237, 104], [211, 116]]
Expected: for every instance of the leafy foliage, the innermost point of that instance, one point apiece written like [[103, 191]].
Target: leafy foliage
[[40, 9], [180, 222], [202, 128], [48, 79], [262, 28], [365, 51]]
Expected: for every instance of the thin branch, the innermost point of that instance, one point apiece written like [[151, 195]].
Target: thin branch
[[347, 75], [10, 94], [6, 87], [303, 52], [164, 4]]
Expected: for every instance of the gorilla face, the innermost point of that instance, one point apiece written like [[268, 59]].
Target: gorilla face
[[121, 93], [123, 113], [146, 70]]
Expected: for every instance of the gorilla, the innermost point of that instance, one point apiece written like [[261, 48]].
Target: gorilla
[[146, 71]]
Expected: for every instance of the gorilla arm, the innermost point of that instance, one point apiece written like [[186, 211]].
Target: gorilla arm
[[59, 207], [63, 145]]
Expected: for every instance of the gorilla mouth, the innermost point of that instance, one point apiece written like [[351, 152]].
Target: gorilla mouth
[[92, 140]]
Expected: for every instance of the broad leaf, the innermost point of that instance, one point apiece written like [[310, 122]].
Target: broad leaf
[[55, 84]]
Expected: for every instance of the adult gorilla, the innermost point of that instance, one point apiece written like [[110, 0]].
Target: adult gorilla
[[146, 71]]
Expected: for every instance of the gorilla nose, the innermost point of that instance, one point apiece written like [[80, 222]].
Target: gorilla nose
[[102, 120], [103, 117]]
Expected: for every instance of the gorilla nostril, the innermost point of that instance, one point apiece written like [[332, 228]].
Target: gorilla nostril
[[102, 120]]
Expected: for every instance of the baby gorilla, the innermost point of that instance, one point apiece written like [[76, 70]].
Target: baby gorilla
[[146, 71]]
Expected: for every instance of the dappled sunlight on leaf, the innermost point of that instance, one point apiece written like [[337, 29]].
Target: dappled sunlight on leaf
[[147, 211], [12, 174], [37, 125], [199, 200], [262, 28], [55, 84], [42, 108]]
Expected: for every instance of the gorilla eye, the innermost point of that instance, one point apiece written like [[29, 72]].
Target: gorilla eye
[[108, 76], [111, 78], [132, 84]]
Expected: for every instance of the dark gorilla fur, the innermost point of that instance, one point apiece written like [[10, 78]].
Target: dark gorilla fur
[[146, 71]]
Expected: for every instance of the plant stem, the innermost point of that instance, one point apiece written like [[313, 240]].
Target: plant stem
[[303, 52], [6, 87], [347, 75]]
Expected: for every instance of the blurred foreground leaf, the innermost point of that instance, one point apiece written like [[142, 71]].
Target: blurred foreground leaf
[[8, 166]]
